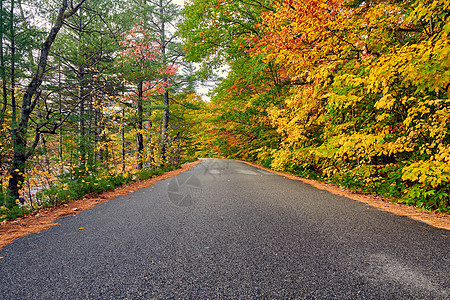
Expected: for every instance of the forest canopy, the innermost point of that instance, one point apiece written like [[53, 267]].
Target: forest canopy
[[93, 94], [347, 91]]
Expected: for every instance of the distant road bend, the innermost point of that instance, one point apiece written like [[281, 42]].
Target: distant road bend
[[227, 230]]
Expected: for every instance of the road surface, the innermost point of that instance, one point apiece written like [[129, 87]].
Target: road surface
[[226, 230]]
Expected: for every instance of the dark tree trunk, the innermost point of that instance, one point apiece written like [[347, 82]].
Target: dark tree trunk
[[81, 98], [2, 69], [13, 65], [81, 121], [18, 165], [97, 126], [122, 133], [140, 137], [165, 118], [165, 125], [60, 132]]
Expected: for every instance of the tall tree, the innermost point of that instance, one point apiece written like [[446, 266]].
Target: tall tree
[[143, 68], [87, 62], [160, 18], [30, 99]]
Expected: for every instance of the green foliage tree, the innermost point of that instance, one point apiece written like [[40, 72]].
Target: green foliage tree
[[21, 150], [160, 18]]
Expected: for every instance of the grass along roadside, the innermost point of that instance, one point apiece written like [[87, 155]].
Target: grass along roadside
[[72, 185], [45, 217]]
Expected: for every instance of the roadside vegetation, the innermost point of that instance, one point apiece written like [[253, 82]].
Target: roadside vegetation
[[94, 94], [347, 91], [344, 91]]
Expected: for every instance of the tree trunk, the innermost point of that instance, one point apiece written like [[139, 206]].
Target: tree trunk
[[102, 154], [165, 125], [140, 138], [2, 69], [165, 118], [60, 132], [122, 133], [81, 99], [81, 121], [13, 66], [18, 164]]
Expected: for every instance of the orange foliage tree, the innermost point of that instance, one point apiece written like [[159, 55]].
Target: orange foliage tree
[[360, 95]]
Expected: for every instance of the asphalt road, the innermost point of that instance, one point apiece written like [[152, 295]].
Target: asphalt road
[[226, 230]]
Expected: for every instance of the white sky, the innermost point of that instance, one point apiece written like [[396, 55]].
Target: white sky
[[179, 2]]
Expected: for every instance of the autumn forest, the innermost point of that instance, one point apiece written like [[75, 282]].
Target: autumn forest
[[95, 94]]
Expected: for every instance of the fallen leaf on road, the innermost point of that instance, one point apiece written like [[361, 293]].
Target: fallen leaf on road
[[81, 228]]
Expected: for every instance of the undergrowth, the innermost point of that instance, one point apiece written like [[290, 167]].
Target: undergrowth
[[385, 181], [76, 184]]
